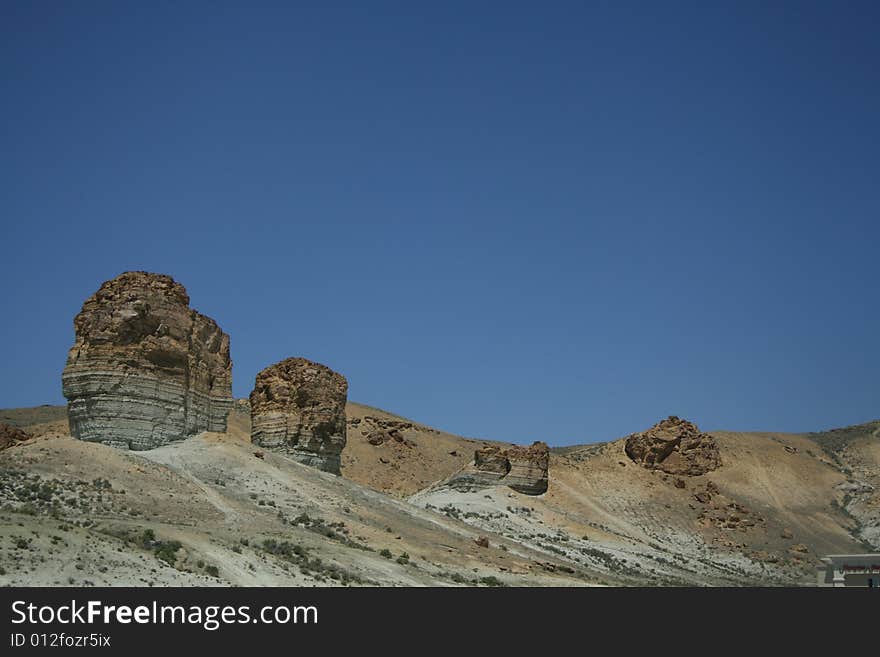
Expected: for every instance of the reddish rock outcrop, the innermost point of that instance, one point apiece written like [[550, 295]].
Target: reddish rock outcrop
[[145, 368], [10, 435], [298, 407], [379, 431], [674, 446]]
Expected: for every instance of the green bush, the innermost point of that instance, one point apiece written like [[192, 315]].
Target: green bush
[[148, 538], [167, 551]]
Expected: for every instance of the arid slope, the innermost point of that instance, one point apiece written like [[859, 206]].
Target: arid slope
[[212, 510], [777, 503]]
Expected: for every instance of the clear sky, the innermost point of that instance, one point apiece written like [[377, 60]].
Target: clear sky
[[557, 221]]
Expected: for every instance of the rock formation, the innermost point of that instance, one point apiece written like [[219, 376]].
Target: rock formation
[[674, 446], [298, 407], [10, 435], [378, 431], [145, 369], [524, 469]]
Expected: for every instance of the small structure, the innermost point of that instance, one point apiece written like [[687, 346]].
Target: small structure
[[859, 570]]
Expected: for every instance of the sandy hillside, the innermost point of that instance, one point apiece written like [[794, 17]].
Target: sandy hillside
[[400, 467], [208, 511], [777, 502]]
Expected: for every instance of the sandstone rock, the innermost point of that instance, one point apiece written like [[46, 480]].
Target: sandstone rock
[[857, 487], [728, 515], [382, 436], [10, 435], [674, 446], [298, 407], [524, 469], [705, 496], [379, 431], [764, 556], [145, 369], [376, 437]]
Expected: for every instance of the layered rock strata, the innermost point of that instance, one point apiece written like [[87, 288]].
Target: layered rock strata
[[298, 407], [676, 447], [145, 368], [524, 469]]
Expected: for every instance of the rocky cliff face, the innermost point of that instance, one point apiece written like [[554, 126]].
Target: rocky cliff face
[[145, 369], [524, 469], [674, 446], [298, 407]]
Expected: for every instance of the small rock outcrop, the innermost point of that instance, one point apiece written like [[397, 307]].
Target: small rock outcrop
[[10, 435], [298, 407], [145, 368], [379, 431], [524, 469], [676, 447]]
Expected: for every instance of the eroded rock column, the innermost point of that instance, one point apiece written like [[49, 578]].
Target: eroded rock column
[[298, 407], [145, 368]]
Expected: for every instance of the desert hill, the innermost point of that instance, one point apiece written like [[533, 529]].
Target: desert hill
[[410, 457], [213, 510], [776, 503]]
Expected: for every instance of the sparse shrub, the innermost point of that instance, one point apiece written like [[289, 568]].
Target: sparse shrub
[[45, 492], [148, 538], [167, 551], [451, 511], [491, 580]]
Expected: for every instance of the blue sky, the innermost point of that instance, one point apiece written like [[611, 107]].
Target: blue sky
[[556, 221]]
